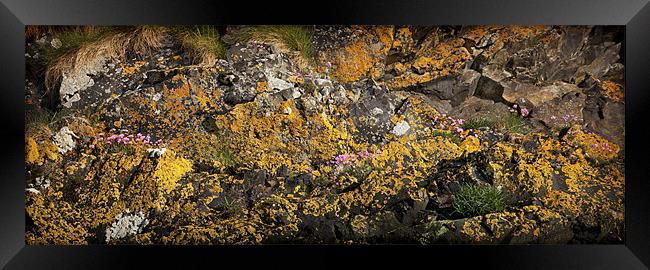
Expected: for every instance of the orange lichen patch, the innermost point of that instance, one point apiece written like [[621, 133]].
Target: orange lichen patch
[[361, 58], [535, 178], [523, 225], [354, 62], [445, 59], [31, 151], [65, 221], [499, 36], [265, 142], [156, 179], [561, 175], [316, 206], [132, 69], [206, 98], [594, 195], [190, 234], [403, 39], [206, 150], [261, 87], [57, 221], [470, 144], [613, 90], [272, 216], [594, 146], [296, 79], [36, 153], [385, 35], [398, 167]]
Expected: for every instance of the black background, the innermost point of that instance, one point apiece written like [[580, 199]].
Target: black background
[[14, 14]]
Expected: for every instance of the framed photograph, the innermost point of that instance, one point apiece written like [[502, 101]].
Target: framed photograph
[[498, 134]]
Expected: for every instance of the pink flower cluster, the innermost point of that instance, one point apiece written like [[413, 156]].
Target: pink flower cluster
[[605, 146], [443, 121], [353, 158], [124, 138], [522, 110], [568, 118]]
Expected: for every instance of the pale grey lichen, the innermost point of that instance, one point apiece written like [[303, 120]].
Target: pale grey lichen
[[155, 152], [64, 139], [126, 224], [79, 79], [401, 128]]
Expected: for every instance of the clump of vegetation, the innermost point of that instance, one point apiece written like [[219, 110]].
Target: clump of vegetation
[[38, 118], [293, 37], [209, 151], [203, 42], [511, 123], [41, 123], [75, 47], [453, 136], [473, 200], [514, 123], [477, 123], [125, 149]]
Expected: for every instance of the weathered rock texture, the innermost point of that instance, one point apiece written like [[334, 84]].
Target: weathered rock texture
[[368, 148]]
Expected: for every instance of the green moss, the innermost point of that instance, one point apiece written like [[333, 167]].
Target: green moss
[[472, 200]]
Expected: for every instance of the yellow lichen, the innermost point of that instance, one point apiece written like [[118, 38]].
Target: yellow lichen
[[613, 90], [31, 151]]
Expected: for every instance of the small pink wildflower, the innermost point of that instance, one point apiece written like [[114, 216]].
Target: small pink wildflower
[[524, 111]]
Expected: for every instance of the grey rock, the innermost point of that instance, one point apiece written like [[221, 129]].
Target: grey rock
[[78, 80], [371, 115]]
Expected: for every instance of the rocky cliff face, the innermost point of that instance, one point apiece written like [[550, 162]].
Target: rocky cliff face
[[370, 143]]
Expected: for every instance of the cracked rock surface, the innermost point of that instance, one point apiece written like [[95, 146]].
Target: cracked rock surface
[[370, 144]]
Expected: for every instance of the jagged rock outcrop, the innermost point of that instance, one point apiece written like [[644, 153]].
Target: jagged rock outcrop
[[368, 147]]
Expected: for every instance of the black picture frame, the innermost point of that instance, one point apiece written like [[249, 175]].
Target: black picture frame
[[634, 14]]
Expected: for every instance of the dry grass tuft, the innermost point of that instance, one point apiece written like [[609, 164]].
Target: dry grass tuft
[[40, 123], [33, 32], [82, 45], [203, 43], [293, 40]]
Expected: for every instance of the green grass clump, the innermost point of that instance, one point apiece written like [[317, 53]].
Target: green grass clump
[[203, 41], [294, 37], [121, 148], [454, 137], [511, 123], [477, 123], [39, 118], [74, 39], [515, 123], [474, 200]]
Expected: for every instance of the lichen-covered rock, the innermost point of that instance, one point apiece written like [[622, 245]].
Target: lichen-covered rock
[[64, 139], [370, 147], [126, 224]]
